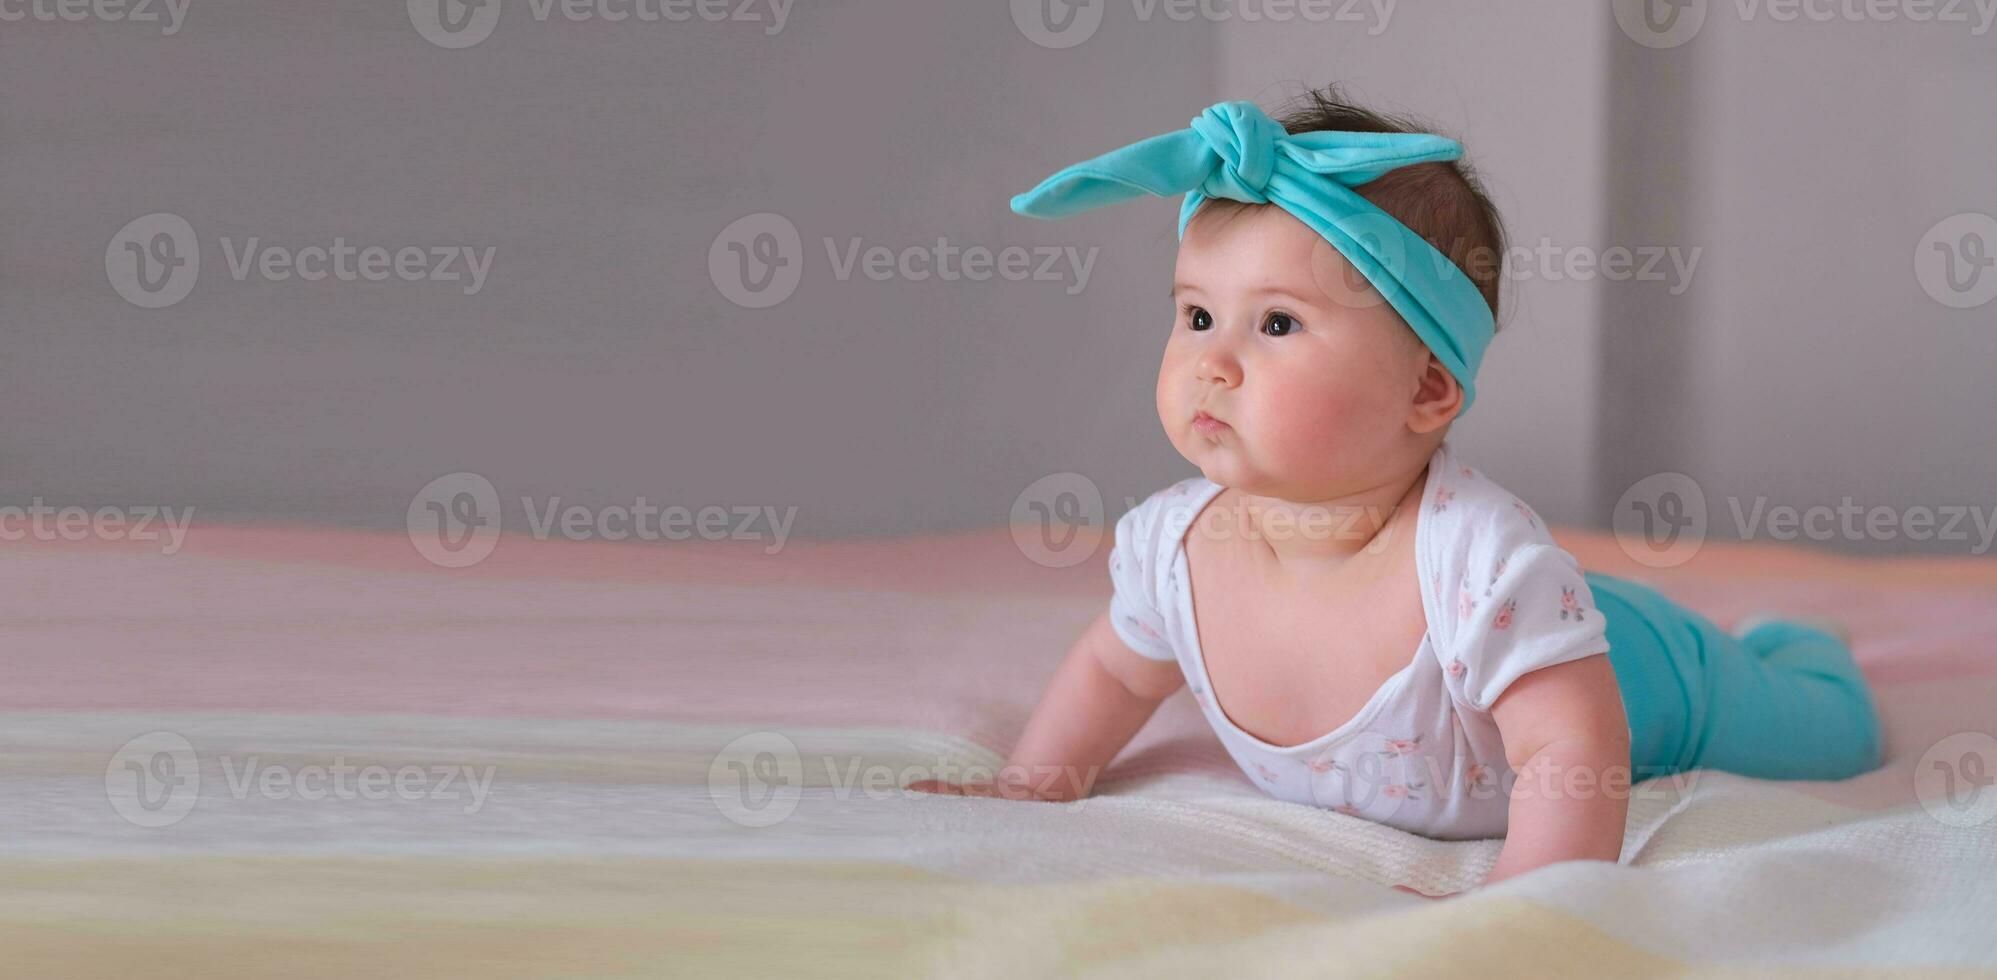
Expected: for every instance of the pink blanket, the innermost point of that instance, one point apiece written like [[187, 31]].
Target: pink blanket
[[596, 689]]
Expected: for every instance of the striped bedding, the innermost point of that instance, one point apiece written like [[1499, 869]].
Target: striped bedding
[[307, 753]]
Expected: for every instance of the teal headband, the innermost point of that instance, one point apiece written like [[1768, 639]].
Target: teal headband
[[1235, 151]]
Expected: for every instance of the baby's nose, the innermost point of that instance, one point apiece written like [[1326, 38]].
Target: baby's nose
[[1218, 368]]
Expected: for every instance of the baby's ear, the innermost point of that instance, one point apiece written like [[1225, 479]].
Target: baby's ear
[[1438, 397]]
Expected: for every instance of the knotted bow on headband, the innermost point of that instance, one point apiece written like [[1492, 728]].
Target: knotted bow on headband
[[1235, 151]]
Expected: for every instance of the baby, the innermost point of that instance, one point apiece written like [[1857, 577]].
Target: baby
[[1368, 622]]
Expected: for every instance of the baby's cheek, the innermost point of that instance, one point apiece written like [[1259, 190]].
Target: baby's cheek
[[1176, 376], [1325, 432], [1310, 432]]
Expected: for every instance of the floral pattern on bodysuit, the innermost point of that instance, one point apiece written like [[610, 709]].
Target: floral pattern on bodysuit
[[1502, 599]]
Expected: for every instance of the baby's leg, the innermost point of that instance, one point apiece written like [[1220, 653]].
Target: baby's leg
[[1787, 702], [1784, 702]]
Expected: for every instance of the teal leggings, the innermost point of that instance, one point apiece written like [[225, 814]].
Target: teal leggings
[[1786, 701]]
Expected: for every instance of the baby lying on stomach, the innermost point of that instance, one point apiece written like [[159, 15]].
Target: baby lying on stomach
[[1368, 622]]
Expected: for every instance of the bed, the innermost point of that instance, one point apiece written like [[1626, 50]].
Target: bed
[[691, 757]]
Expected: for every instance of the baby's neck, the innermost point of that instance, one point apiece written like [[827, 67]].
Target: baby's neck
[[1325, 535]]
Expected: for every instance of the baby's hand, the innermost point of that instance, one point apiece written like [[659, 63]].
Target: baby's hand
[[1404, 888]]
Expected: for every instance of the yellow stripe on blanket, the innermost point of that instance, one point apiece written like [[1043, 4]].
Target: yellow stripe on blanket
[[496, 919]]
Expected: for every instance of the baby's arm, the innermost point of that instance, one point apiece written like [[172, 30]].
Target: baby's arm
[[1567, 738], [1099, 697]]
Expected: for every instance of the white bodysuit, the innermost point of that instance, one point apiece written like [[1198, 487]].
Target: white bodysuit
[[1424, 754]]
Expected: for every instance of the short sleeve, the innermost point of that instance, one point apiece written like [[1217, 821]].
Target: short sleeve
[[1520, 611], [1134, 609]]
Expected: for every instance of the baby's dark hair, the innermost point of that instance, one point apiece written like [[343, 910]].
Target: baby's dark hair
[[1443, 202]]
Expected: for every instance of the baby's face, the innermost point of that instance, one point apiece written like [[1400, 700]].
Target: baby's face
[[1310, 377]]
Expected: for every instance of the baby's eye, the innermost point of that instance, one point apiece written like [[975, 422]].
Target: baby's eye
[[1201, 319], [1279, 324]]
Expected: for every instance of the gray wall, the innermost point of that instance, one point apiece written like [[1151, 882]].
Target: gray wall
[[1807, 367], [599, 361], [599, 161]]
